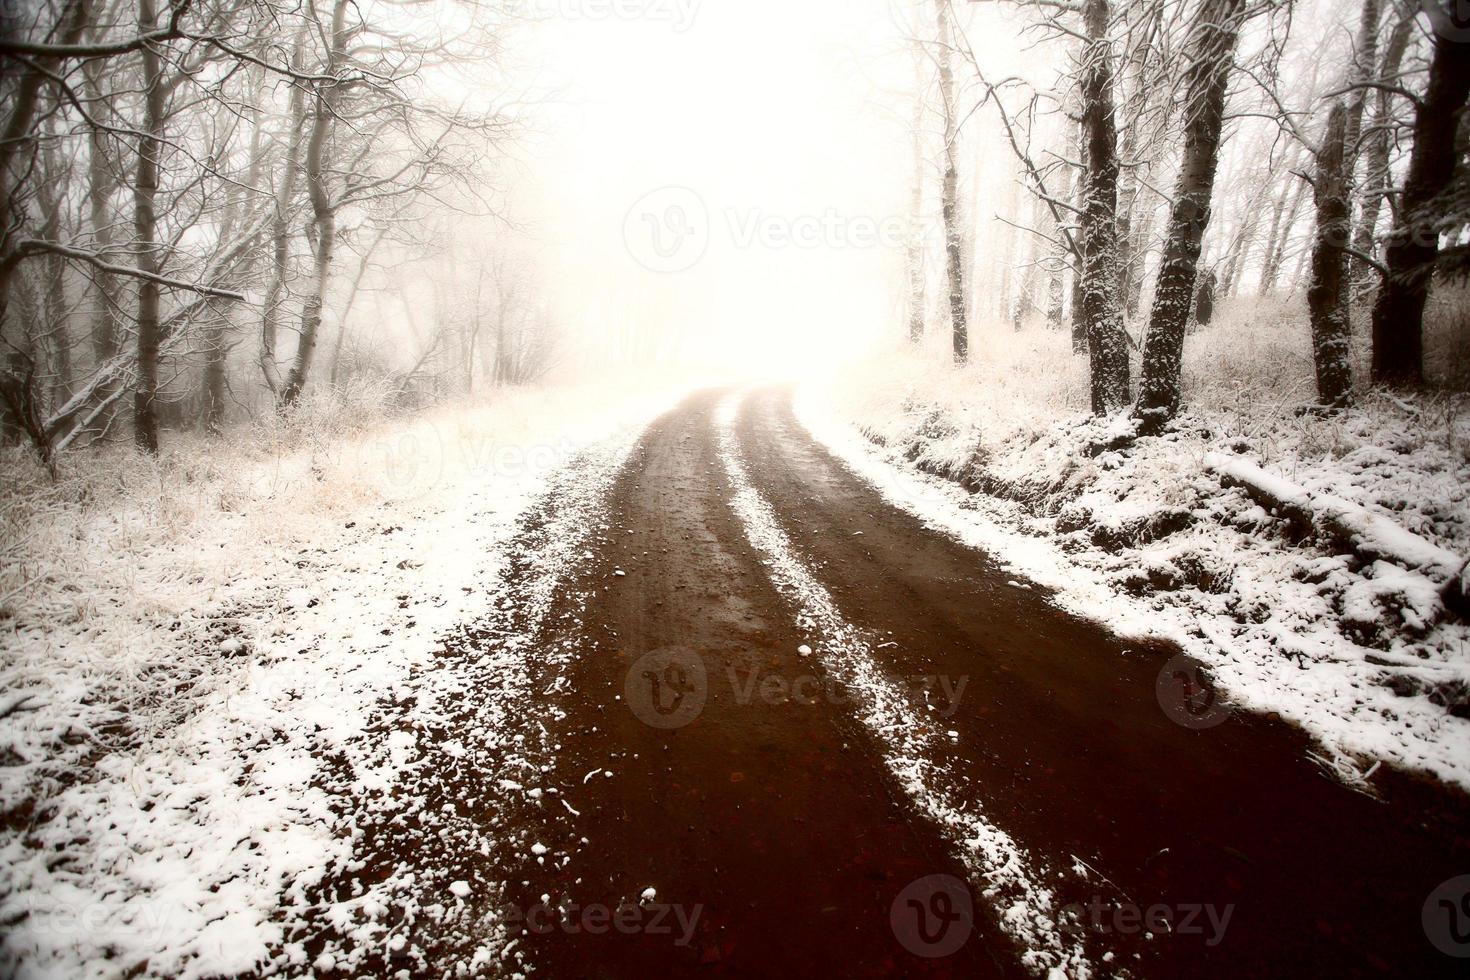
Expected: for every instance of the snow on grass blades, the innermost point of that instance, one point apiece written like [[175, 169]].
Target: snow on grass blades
[[1013, 882], [237, 614]]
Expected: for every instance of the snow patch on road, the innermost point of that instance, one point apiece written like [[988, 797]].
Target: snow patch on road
[[1012, 881]]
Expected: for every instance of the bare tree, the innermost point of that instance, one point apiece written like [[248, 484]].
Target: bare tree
[[949, 202], [1327, 295], [1100, 270], [1398, 311], [1216, 30]]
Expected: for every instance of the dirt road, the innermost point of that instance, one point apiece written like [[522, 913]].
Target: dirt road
[[737, 800]]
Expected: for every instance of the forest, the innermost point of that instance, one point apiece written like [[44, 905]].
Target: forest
[[636, 488]]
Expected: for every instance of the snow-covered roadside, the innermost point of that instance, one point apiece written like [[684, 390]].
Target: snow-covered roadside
[[1150, 542], [185, 645]]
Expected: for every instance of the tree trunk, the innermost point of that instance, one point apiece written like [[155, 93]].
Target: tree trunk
[[1398, 312], [1327, 296], [1107, 350], [217, 343], [281, 227], [953, 233], [145, 231], [106, 330], [1078, 194], [323, 228], [1277, 254], [915, 247], [1377, 180], [17, 140], [1212, 51]]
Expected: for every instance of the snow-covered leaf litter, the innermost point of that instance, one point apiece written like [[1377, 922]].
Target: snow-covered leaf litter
[[1014, 882], [1270, 627], [470, 744], [163, 777]]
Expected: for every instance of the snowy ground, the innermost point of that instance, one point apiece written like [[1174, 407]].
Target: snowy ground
[[1148, 541], [187, 641]]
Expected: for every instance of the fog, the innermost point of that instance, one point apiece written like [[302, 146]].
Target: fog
[[688, 168]]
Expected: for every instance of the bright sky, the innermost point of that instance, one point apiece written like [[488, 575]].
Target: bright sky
[[767, 119]]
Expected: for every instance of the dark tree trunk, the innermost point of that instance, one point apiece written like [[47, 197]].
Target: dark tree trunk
[[1377, 181], [1107, 350], [1204, 299], [1327, 296], [145, 230], [1398, 312], [1212, 50]]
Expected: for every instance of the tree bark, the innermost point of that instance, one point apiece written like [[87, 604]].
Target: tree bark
[[953, 233], [1327, 295], [323, 227], [145, 231], [285, 199], [1212, 51], [1398, 311], [1107, 350], [1377, 180]]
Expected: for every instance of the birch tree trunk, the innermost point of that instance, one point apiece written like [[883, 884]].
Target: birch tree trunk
[[1212, 51], [1327, 295], [281, 227], [323, 228], [1398, 311], [953, 233]]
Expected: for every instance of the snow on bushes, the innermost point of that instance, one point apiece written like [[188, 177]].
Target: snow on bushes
[[1142, 534]]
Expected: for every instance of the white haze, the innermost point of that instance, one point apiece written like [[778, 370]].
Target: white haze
[[777, 115]]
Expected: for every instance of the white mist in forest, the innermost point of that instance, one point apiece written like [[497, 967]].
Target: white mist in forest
[[723, 190]]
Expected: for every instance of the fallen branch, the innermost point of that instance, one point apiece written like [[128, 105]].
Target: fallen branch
[[1370, 536]]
